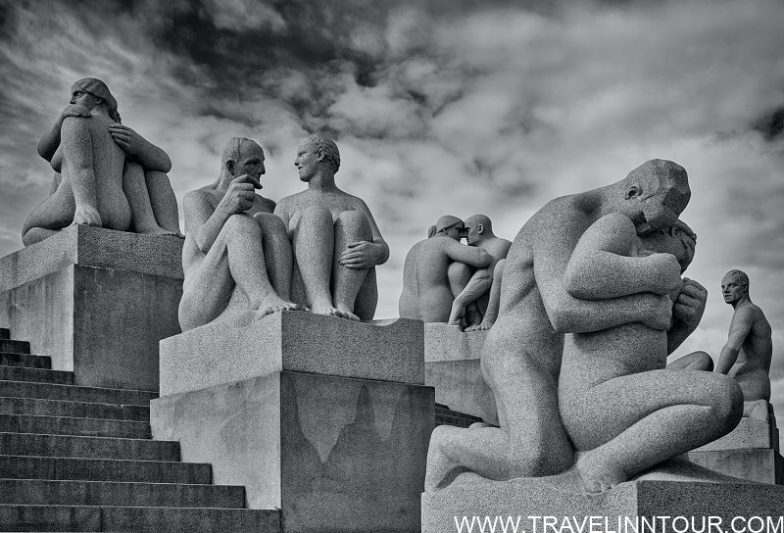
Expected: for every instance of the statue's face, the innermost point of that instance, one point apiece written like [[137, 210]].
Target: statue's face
[[251, 162], [472, 232], [732, 289], [307, 161], [454, 232], [84, 99]]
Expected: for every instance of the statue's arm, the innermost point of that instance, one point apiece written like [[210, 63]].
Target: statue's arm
[[205, 222], [551, 253], [147, 154], [600, 267], [470, 255], [740, 327]]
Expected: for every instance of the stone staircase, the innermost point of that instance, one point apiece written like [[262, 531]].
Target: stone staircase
[[76, 458]]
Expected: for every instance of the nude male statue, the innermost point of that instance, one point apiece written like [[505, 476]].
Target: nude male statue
[[477, 302], [746, 355], [427, 274], [335, 239], [236, 258], [106, 174], [621, 407], [521, 358]]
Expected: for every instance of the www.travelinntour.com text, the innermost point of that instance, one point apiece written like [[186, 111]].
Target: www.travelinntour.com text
[[618, 524]]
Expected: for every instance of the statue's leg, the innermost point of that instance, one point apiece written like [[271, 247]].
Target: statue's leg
[[163, 201], [139, 198], [314, 244], [350, 226], [465, 305], [459, 275], [50, 216], [494, 299], [692, 361], [277, 253], [631, 423], [367, 299]]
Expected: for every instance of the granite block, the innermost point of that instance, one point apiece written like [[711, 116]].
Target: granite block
[[555, 497], [447, 343], [749, 433], [763, 465], [216, 353], [332, 453]]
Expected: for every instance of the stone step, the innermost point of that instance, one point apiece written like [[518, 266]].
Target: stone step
[[74, 393], [16, 517], [32, 406], [67, 468], [20, 359], [5, 334], [10, 346], [69, 425], [48, 492], [28, 444], [38, 375]]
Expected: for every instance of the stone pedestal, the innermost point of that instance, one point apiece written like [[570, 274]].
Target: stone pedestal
[[97, 301], [631, 506], [324, 418], [452, 367], [750, 451]]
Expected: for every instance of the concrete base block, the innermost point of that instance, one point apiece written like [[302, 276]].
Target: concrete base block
[[299, 341], [749, 434], [97, 301], [332, 453], [556, 498], [452, 367], [760, 465]]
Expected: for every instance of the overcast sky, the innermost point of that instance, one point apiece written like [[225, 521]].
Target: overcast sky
[[444, 106]]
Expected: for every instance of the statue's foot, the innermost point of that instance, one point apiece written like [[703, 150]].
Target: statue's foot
[[479, 327], [274, 304], [86, 215], [481, 425], [599, 473], [344, 312], [326, 309], [441, 470], [157, 230]]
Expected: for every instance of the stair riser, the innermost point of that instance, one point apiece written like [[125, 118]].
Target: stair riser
[[38, 375], [10, 346], [24, 406], [103, 470], [20, 389], [87, 427], [91, 448], [43, 492], [5, 334], [30, 361]]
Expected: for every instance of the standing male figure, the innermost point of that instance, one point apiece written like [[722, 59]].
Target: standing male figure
[[478, 300], [335, 239], [746, 355]]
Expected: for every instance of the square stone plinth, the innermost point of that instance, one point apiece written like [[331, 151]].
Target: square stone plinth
[[97, 301], [389, 350], [334, 454], [452, 367], [763, 465], [531, 501]]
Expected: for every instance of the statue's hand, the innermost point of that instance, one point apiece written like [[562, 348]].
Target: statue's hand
[[239, 196], [86, 215], [361, 255], [660, 312], [74, 110], [690, 305], [131, 142], [668, 272]]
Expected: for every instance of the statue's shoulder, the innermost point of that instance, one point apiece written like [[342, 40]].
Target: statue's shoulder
[[265, 204]]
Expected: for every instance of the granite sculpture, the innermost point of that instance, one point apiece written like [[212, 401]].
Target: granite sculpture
[[335, 239], [612, 384], [106, 174], [236, 259], [432, 267], [521, 357], [476, 305]]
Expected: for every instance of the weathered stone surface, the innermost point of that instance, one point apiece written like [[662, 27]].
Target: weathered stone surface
[[763, 465], [749, 433], [452, 368], [97, 301], [556, 496], [333, 453], [298, 341]]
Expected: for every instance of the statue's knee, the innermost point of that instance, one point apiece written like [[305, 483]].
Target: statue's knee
[[133, 168], [241, 225], [703, 361], [315, 213], [728, 402]]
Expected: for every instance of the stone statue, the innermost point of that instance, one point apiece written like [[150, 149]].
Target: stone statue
[[431, 268], [618, 402], [335, 239], [521, 358], [106, 174], [237, 259], [746, 355], [477, 302]]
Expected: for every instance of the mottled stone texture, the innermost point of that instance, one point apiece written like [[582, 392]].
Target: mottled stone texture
[[452, 367], [333, 453], [97, 301], [550, 496], [389, 350]]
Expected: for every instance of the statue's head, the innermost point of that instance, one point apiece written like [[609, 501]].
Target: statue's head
[[447, 226], [240, 156], [476, 226], [92, 92], [655, 194], [734, 286], [315, 151]]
